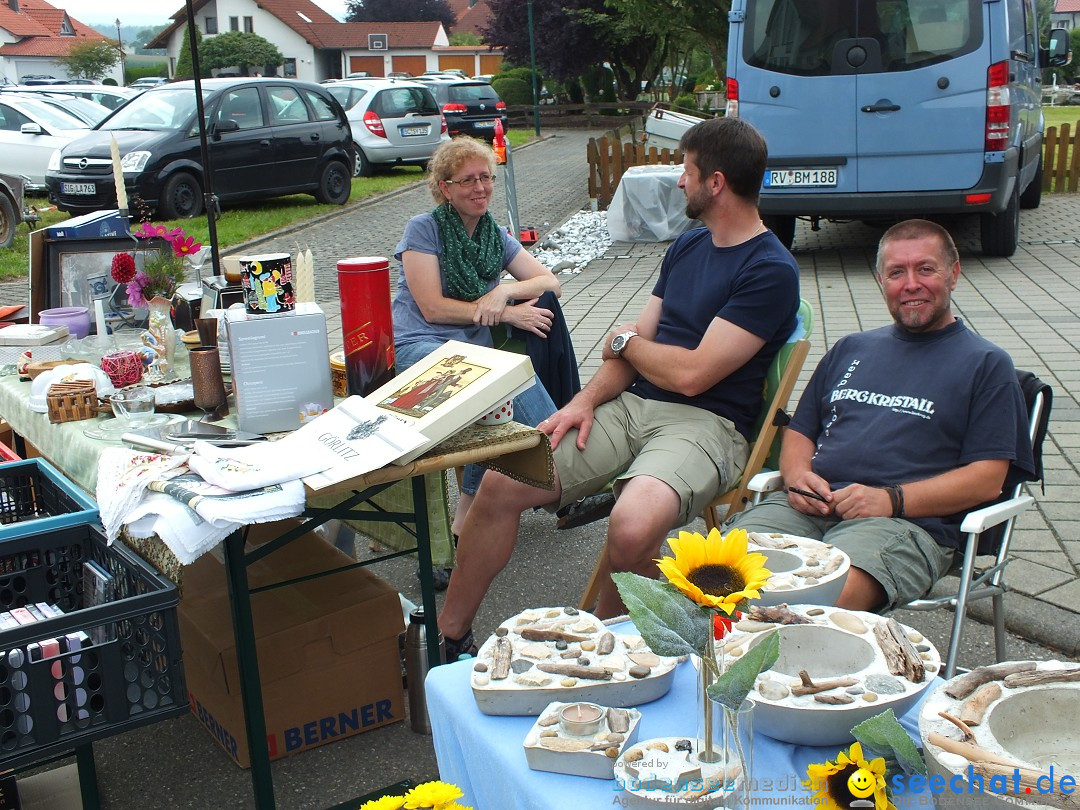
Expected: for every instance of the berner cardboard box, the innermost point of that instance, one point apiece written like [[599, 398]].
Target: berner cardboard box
[[280, 368], [328, 648]]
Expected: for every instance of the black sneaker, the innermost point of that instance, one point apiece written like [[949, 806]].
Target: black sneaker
[[455, 648], [588, 510]]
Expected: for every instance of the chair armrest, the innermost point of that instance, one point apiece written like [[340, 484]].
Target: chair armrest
[[766, 481], [982, 519]]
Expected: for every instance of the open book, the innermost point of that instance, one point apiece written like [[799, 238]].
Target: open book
[[450, 388]]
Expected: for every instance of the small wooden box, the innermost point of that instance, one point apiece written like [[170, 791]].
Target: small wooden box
[[72, 401]]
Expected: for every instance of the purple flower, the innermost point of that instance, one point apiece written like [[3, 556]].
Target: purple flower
[[135, 289]]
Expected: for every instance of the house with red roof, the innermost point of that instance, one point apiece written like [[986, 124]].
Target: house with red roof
[[316, 46], [33, 34], [1066, 14]]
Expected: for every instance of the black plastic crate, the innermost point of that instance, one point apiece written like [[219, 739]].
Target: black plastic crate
[[35, 496], [128, 672]]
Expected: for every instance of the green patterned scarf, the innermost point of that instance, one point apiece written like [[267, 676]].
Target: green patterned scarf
[[470, 264]]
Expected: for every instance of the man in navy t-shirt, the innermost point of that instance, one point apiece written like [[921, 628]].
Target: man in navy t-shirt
[[901, 431], [669, 412]]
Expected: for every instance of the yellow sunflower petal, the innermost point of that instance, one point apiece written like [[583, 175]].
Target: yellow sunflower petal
[[431, 794], [385, 803], [818, 783]]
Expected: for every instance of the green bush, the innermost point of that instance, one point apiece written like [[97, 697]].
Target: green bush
[[686, 100], [512, 90], [523, 73], [133, 73]]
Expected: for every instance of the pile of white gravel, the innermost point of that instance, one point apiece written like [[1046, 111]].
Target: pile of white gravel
[[575, 243]]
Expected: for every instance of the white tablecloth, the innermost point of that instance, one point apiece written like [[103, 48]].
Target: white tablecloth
[[483, 754], [648, 205]]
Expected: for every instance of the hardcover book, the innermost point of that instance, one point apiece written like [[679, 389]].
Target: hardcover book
[[451, 388]]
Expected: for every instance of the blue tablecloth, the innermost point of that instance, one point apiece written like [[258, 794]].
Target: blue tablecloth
[[484, 756]]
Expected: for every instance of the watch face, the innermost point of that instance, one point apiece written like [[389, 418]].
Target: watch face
[[618, 343]]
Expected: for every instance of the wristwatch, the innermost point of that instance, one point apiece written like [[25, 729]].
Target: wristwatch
[[618, 343]]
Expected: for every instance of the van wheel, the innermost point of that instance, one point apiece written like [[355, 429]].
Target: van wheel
[[1032, 195], [335, 185], [783, 227], [8, 222], [361, 165], [181, 198], [1001, 232]]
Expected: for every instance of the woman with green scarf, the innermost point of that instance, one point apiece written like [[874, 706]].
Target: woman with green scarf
[[451, 261]]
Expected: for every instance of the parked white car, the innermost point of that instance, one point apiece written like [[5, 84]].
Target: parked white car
[[30, 131]]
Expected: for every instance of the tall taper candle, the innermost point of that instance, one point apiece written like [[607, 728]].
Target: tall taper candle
[[118, 175], [304, 287], [99, 317]]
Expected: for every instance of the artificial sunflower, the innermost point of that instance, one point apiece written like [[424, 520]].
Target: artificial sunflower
[[829, 781], [432, 794], [715, 571], [385, 803]]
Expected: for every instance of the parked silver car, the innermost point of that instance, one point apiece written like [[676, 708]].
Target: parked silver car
[[104, 94], [393, 122]]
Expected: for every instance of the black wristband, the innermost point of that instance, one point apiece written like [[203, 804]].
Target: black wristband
[[893, 499], [900, 498]]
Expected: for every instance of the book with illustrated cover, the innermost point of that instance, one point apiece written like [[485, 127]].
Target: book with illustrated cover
[[451, 388]]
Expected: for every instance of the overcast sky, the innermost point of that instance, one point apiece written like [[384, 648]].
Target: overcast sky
[[155, 12]]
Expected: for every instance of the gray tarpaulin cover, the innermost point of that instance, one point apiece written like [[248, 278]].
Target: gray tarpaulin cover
[[648, 205]]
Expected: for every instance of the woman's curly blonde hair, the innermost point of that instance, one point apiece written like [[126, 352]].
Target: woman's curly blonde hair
[[450, 157]]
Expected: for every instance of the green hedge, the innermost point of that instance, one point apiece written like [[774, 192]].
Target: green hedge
[[512, 90]]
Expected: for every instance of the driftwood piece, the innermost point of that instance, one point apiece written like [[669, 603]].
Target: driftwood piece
[[974, 708], [820, 571], [537, 634], [900, 653], [778, 614], [963, 686], [500, 664], [565, 745], [1019, 679], [969, 751], [809, 687], [1029, 781], [960, 724], [767, 541], [618, 720], [606, 644], [575, 671], [834, 700]]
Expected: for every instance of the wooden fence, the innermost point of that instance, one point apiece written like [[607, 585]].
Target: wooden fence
[[610, 155], [1061, 158]]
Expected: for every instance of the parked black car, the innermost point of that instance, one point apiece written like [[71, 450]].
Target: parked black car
[[470, 108], [267, 138]]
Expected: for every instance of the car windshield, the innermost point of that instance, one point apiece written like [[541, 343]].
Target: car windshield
[[51, 116], [86, 109], [157, 110]]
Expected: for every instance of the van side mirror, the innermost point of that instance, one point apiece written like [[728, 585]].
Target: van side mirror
[[1058, 54], [226, 125]]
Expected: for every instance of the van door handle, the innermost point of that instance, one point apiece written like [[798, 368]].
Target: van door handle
[[881, 108], [265, 143], [314, 137]]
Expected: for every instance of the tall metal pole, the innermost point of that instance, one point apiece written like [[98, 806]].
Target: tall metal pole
[[532, 61], [120, 48], [210, 201]]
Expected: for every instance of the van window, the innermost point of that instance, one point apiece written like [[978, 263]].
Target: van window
[[813, 37], [401, 101]]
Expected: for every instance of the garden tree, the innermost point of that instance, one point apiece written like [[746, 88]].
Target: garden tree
[[465, 38], [183, 61], [401, 11], [704, 21], [574, 36], [90, 60], [144, 35], [238, 49]]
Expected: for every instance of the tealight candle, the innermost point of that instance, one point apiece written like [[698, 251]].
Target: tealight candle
[[118, 175], [581, 719]]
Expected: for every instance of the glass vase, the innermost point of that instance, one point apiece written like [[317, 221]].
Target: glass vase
[[160, 338], [724, 745]]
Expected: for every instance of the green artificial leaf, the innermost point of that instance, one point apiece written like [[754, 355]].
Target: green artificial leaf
[[670, 623], [883, 735], [732, 687]]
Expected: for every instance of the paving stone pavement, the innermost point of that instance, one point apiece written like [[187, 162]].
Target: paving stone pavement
[[1029, 304]]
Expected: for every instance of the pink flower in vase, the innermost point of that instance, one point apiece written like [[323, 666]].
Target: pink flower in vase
[[135, 289], [147, 230], [183, 245]]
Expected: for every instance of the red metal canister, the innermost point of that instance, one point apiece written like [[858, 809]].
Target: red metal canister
[[366, 322]]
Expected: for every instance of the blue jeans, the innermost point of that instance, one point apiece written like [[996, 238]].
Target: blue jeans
[[531, 407]]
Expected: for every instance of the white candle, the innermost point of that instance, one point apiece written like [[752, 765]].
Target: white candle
[[305, 277], [118, 175], [99, 317]]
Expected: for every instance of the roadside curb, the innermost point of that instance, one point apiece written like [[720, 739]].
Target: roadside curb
[[348, 209]]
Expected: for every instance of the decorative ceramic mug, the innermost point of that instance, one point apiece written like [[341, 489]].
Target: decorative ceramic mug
[[498, 416], [124, 368]]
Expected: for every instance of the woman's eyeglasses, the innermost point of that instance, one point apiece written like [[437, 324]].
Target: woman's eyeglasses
[[483, 179]]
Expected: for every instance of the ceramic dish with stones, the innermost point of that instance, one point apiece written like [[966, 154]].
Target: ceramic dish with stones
[[551, 747], [653, 771], [563, 654], [840, 649], [1013, 715], [805, 571]]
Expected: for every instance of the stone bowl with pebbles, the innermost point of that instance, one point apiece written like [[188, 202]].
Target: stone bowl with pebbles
[[665, 772], [549, 746], [803, 570], [563, 654], [836, 668], [1017, 717]]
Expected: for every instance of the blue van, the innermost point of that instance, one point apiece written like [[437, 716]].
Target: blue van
[[883, 109]]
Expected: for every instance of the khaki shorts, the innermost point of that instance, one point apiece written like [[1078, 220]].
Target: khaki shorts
[[904, 559], [695, 452]]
